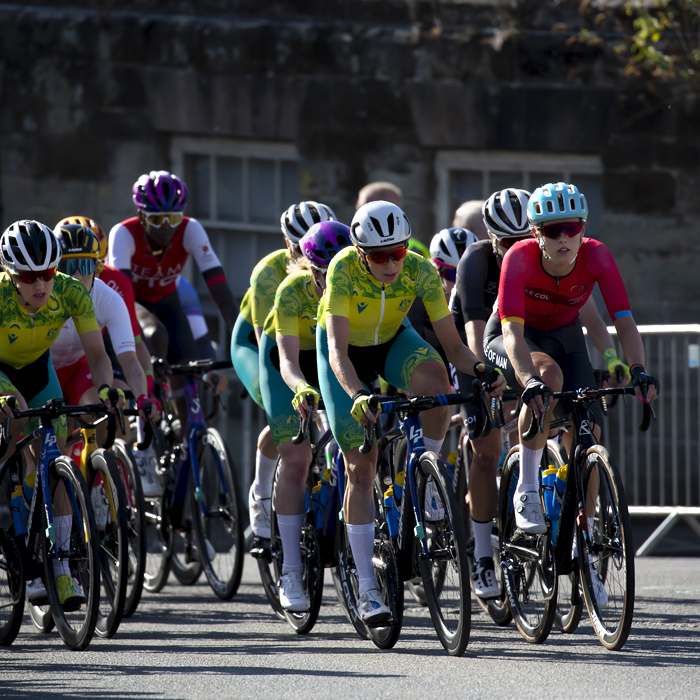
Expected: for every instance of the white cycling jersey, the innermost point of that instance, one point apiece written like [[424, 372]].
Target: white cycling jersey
[[110, 311]]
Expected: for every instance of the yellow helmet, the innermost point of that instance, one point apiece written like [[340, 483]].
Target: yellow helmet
[[93, 226], [77, 242]]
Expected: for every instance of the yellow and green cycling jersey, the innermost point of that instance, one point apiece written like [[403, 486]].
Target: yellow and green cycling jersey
[[25, 337], [266, 277], [376, 310], [295, 309]]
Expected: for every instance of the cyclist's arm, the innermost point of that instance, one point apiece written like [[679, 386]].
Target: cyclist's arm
[[121, 249], [222, 295], [133, 372], [338, 342], [633, 347], [97, 358], [475, 337], [597, 330], [457, 352], [290, 370]]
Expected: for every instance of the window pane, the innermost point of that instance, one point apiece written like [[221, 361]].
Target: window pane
[[261, 192], [502, 180], [229, 189], [290, 184], [197, 180], [538, 179], [465, 185]]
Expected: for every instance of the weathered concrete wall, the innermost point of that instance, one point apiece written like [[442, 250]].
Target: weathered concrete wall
[[92, 93]]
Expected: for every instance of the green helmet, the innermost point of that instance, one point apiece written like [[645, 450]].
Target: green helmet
[[417, 247]]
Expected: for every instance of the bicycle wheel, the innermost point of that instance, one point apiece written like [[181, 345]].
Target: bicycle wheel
[[527, 564], [77, 616], [136, 525], [450, 607], [109, 506], [186, 562], [607, 564], [218, 530], [12, 590], [270, 565], [159, 546]]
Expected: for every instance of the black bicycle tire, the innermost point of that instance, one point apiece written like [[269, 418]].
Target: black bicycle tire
[[12, 573], [77, 640], [342, 601], [535, 634], [225, 590], [114, 591], [616, 639], [429, 466], [136, 519]]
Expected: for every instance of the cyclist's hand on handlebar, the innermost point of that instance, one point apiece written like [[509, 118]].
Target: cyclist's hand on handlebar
[[103, 393], [619, 372], [216, 381], [361, 411], [299, 402], [646, 388], [491, 376], [142, 404], [535, 396], [6, 407]]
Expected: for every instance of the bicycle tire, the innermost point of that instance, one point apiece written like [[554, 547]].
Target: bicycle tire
[[219, 539], [136, 525], [159, 546], [12, 588], [113, 538], [76, 626], [612, 532], [269, 567], [533, 614], [450, 607]]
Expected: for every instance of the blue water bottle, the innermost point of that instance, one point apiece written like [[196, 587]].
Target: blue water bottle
[[18, 510], [392, 516]]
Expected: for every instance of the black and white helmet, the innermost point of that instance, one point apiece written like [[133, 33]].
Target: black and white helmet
[[29, 246], [377, 224], [299, 218], [448, 245], [505, 213]]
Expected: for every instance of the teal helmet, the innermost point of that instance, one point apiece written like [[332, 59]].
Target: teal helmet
[[552, 202]]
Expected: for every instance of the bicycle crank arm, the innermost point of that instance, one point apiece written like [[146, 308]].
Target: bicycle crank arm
[[522, 552]]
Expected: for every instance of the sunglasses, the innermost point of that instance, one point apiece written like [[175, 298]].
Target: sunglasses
[[30, 277], [382, 257], [85, 266], [173, 218], [448, 273], [570, 228]]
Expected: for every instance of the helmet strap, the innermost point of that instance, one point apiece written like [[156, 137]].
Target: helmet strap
[[540, 240]]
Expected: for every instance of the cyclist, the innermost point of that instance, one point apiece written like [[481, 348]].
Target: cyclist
[[362, 332], [115, 279], [35, 303], [535, 335], [245, 355], [478, 274], [80, 251], [193, 309], [287, 375]]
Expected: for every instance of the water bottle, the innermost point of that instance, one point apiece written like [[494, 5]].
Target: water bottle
[[320, 496], [560, 483], [551, 505], [398, 486], [392, 517], [17, 507]]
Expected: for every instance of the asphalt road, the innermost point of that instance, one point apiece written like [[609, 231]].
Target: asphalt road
[[185, 643]]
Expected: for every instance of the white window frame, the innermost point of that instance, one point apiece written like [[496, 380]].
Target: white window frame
[[488, 161]]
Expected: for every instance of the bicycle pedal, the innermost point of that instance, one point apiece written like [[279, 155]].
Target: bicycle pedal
[[260, 549], [380, 621]]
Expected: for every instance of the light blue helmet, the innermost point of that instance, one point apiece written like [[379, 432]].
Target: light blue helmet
[[552, 202]]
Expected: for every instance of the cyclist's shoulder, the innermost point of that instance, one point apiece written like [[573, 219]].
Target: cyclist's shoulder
[[276, 261], [129, 227], [71, 294], [296, 283]]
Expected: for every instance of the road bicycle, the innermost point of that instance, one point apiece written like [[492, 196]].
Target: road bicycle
[[597, 556], [200, 501]]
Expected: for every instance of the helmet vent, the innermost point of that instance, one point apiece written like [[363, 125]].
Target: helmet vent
[[390, 224], [560, 199], [550, 206]]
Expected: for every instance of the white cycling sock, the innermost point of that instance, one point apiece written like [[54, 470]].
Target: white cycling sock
[[529, 468], [482, 539], [290, 534], [62, 524], [264, 473], [433, 445], [362, 545]]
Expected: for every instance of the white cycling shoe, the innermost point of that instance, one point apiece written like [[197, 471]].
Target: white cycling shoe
[[259, 512], [145, 461], [291, 591], [372, 610], [529, 516]]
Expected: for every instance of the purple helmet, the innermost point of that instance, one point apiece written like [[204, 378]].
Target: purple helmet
[[323, 241], [160, 191]]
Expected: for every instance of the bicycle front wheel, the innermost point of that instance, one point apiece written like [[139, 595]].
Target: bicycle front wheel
[[12, 589], [108, 504], [217, 522], [445, 570], [71, 564], [606, 561]]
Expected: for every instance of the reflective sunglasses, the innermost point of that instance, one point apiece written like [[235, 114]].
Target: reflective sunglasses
[[570, 228], [448, 273], [172, 218], [85, 266], [30, 276], [382, 257]]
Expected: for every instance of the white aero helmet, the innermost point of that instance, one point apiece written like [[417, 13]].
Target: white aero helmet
[[448, 245], [30, 246], [505, 213], [378, 224], [299, 218]]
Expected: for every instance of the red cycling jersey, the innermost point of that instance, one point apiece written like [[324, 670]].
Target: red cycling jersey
[[121, 284], [528, 295], [154, 276]]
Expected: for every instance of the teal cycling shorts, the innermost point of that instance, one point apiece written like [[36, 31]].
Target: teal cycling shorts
[[394, 360], [245, 356]]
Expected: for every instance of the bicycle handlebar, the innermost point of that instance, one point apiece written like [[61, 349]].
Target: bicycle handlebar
[[304, 423], [194, 367]]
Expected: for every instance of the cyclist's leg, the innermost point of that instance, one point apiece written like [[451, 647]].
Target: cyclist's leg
[[154, 333]]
